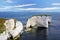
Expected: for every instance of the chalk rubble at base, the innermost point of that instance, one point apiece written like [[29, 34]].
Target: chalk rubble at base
[[41, 21], [9, 24]]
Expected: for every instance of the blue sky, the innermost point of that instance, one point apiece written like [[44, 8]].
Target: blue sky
[[30, 5]]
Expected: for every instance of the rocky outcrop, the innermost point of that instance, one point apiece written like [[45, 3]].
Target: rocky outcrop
[[13, 29], [38, 21]]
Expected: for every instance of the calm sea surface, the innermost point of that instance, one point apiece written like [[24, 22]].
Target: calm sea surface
[[52, 33]]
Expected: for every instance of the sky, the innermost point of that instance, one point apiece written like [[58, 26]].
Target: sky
[[30, 5]]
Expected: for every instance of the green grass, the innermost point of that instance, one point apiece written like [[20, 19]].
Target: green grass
[[42, 15], [2, 27]]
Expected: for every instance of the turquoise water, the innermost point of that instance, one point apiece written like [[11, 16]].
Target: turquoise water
[[52, 33]]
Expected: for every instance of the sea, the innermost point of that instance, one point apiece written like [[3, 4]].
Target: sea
[[52, 33]]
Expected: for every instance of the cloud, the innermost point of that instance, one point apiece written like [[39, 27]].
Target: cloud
[[31, 9], [39, 9], [4, 8], [21, 8], [9, 1], [51, 9], [55, 3], [23, 5], [16, 6]]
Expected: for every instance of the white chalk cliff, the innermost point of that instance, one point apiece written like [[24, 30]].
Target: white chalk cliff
[[41, 21], [12, 28]]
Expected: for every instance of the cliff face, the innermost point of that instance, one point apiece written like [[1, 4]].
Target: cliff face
[[13, 28], [41, 21]]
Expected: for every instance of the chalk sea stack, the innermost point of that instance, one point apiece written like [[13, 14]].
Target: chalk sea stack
[[39, 21]]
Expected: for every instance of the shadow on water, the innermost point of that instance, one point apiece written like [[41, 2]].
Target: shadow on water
[[35, 34], [41, 28], [41, 33]]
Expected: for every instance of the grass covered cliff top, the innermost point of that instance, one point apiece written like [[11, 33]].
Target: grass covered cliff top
[[2, 27], [42, 15]]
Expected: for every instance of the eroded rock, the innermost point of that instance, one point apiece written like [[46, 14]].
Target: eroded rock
[[39, 21], [13, 29]]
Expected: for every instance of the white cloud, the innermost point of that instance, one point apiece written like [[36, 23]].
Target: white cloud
[[23, 5], [4, 8], [16, 6], [55, 3], [9, 1], [51, 9], [41, 9], [21, 8]]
